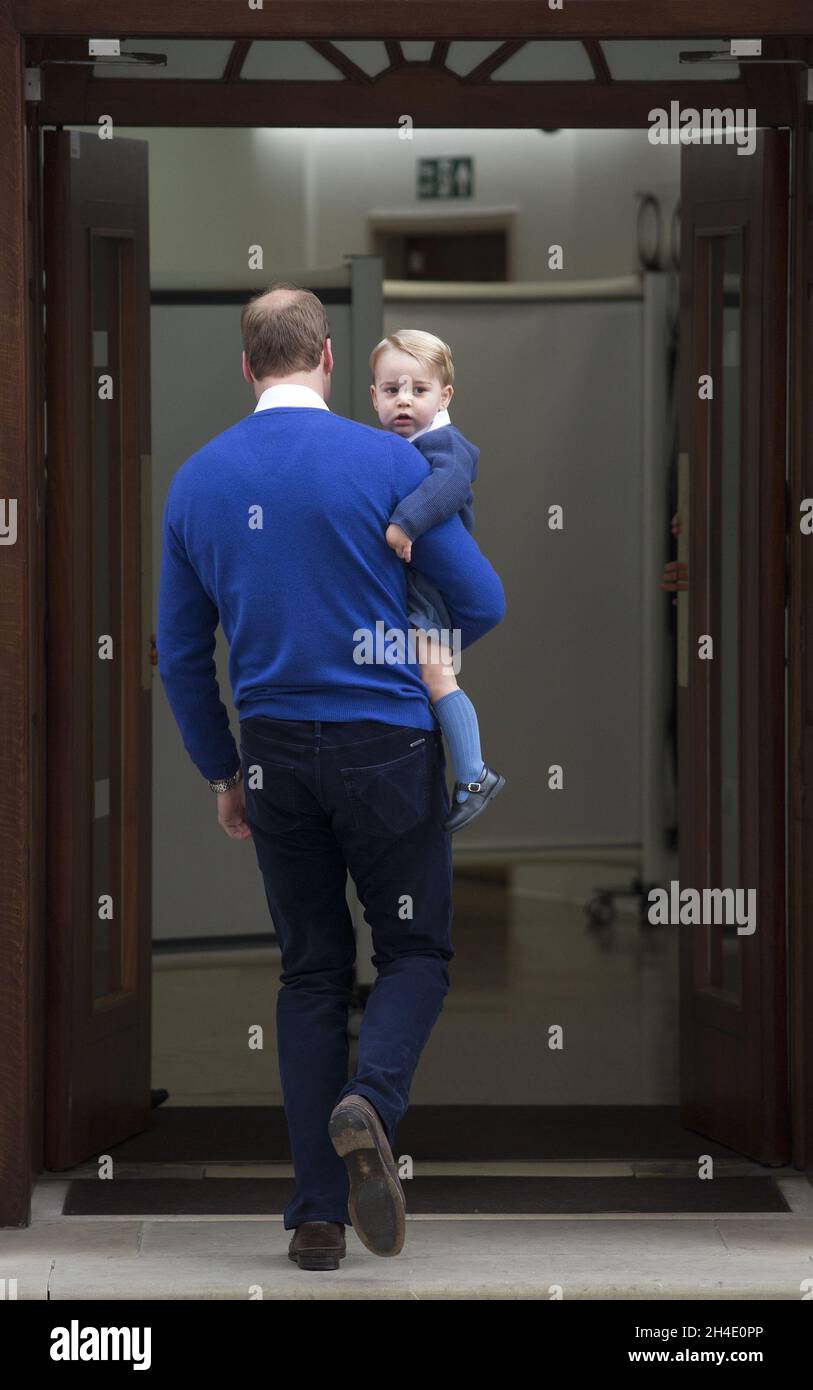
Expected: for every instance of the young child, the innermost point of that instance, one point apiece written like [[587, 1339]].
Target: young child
[[412, 386]]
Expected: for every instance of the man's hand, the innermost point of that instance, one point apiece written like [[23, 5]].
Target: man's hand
[[231, 812], [399, 541]]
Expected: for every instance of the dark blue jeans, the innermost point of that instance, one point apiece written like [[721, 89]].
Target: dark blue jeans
[[370, 798]]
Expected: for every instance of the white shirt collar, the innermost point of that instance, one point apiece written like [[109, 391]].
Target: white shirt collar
[[290, 394], [441, 418]]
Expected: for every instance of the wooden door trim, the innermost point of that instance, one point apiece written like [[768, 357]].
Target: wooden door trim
[[21, 660], [737, 1056], [99, 1041], [435, 99], [324, 19], [22, 637], [800, 646]]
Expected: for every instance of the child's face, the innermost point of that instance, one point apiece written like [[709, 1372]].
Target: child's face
[[406, 396]]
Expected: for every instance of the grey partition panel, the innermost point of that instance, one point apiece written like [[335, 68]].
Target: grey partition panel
[[204, 883], [550, 391], [366, 318]]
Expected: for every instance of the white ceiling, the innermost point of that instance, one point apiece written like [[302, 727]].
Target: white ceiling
[[274, 60], [540, 61]]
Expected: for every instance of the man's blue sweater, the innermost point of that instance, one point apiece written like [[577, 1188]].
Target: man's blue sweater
[[275, 529]]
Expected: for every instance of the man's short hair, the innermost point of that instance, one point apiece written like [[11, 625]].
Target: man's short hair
[[426, 348], [283, 337]]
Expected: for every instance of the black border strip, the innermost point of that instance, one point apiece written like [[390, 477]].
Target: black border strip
[[329, 294], [172, 944]]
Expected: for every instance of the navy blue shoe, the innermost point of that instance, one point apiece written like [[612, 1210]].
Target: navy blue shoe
[[479, 795]]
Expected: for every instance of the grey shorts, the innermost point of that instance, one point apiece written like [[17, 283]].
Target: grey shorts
[[425, 606]]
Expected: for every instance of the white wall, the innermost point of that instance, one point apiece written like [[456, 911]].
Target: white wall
[[305, 195]]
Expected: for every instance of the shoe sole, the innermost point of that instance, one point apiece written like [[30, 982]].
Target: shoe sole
[[376, 1202], [316, 1261], [490, 797]]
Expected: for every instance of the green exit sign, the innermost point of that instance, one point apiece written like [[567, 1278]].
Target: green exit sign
[[446, 178]]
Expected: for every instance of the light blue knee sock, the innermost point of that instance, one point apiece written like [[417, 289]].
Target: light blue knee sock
[[458, 720]]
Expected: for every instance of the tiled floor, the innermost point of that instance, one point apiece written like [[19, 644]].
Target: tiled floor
[[522, 966]]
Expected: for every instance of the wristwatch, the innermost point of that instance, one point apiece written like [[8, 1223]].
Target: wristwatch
[[226, 783]]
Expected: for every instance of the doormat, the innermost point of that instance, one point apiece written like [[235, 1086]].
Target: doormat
[[432, 1196], [434, 1133]]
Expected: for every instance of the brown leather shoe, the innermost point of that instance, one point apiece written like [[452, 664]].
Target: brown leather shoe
[[377, 1205], [318, 1245]]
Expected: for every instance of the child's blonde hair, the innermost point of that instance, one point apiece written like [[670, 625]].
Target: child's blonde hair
[[430, 351]]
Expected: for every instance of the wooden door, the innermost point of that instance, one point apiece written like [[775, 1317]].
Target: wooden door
[[470, 255], [731, 708], [98, 940]]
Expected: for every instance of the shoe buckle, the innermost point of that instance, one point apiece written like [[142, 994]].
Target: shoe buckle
[[473, 786]]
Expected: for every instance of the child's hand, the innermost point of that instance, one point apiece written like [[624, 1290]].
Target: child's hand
[[399, 541]]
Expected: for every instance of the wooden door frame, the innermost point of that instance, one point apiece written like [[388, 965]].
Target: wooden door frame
[[800, 650], [734, 1038], [98, 1048], [22, 597]]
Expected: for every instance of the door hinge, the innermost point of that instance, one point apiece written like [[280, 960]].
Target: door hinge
[[33, 84]]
